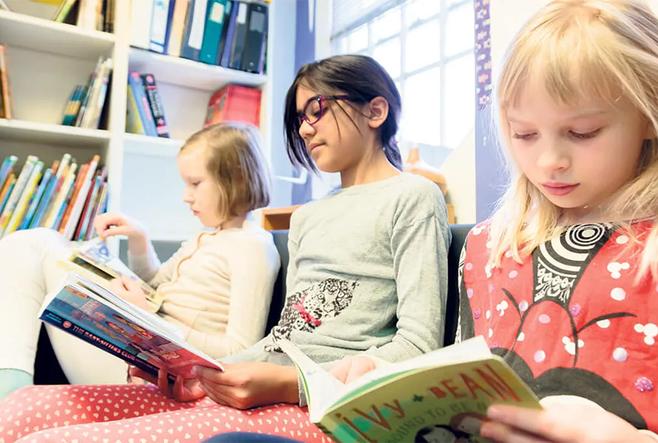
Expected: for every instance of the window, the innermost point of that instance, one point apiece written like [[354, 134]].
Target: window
[[427, 46]]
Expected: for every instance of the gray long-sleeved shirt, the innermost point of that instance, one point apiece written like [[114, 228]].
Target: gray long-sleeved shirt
[[367, 273]]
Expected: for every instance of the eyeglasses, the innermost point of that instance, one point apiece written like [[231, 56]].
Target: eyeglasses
[[315, 108]]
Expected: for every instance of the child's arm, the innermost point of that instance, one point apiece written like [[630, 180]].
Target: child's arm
[[253, 270]]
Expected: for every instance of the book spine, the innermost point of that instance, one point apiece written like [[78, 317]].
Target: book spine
[[255, 38], [44, 205], [70, 326], [177, 28], [69, 106], [98, 110], [193, 37], [75, 189], [213, 31], [241, 25], [159, 21], [68, 190], [55, 212], [89, 205], [91, 108], [134, 123], [135, 84], [7, 168], [15, 196], [37, 198], [6, 190], [80, 199], [64, 10], [89, 91], [155, 103], [230, 35], [102, 197], [4, 82], [140, 23], [19, 213]]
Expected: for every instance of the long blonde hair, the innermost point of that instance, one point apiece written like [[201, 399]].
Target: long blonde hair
[[580, 49]]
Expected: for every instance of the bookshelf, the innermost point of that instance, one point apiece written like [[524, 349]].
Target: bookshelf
[[46, 61]]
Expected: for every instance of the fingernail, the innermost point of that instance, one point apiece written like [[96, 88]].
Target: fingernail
[[494, 412], [195, 370]]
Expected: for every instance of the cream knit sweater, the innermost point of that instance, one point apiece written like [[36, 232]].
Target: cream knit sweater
[[217, 287]]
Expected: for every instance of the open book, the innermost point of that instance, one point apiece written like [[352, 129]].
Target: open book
[[441, 396], [93, 260], [87, 310]]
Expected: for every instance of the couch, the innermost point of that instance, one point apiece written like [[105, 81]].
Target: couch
[[48, 371]]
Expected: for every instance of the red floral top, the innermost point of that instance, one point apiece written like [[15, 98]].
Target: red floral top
[[570, 319]]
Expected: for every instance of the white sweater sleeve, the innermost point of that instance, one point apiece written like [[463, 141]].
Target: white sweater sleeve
[[253, 268], [149, 268]]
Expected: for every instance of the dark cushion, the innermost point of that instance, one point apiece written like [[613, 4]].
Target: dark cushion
[[459, 234]]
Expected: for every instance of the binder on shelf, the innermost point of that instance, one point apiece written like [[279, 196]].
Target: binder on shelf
[[155, 103], [140, 23], [161, 17], [213, 31], [177, 28], [137, 88], [194, 29], [255, 40], [239, 39], [230, 34], [222, 40]]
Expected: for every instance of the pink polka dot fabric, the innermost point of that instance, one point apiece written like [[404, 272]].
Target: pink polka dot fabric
[[136, 414]]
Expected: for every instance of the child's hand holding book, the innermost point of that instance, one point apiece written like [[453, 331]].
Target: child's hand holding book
[[111, 224], [130, 291]]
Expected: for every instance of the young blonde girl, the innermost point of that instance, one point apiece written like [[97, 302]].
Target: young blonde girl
[[367, 275], [562, 281], [216, 289]]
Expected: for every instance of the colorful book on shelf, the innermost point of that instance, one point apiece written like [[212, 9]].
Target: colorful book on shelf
[[140, 23], [155, 103], [6, 190], [59, 202], [227, 43], [63, 10], [99, 208], [16, 193], [439, 396], [7, 168], [72, 106], [80, 198], [96, 99], [6, 109], [194, 29], [37, 198], [90, 204], [137, 88], [89, 90], [213, 31], [89, 311], [222, 38], [255, 39], [177, 28], [50, 192], [134, 123], [73, 193], [161, 16], [234, 103], [21, 207], [240, 36]]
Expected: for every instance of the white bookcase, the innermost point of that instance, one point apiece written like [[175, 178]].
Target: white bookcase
[[46, 61]]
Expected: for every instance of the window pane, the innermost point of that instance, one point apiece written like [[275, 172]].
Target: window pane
[[449, 3], [420, 9], [388, 54], [459, 100], [357, 40], [421, 108], [387, 25], [423, 46], [340, 45], [460, 29]]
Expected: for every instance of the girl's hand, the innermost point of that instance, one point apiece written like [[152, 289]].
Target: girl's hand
[[182, 390], [247, 385], [559, 422], [111, 224], [130, 291], [351, 368]]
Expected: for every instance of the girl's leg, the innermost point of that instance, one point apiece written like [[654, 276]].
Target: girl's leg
[[119, 413]]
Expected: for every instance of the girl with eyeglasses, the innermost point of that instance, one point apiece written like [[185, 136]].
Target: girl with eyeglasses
[[367, 276]]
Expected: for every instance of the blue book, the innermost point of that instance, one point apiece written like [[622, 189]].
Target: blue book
[[6, 168], [4, 200], [194, 28], [161, 16], [213, 31], [45, 201], [37, 198], [146, 116], [230, 35], [239, 36]]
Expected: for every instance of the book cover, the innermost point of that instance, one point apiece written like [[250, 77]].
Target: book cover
[[137, 88], [213, 31], [256, 32], [84, 309], [177, 28], [194, 29], [240, 35], [155, 103], [227, 43], [48, 195], [140, 23], [440, 396]]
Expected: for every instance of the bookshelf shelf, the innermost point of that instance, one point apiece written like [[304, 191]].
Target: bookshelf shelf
[[58, 38], [26, 131], [151, 146], [191, 74]]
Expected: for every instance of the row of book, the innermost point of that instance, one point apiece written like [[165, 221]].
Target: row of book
[[97, 15], [86, 104], [5, 92], [65, 197], [228, 33], [144, 110]]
